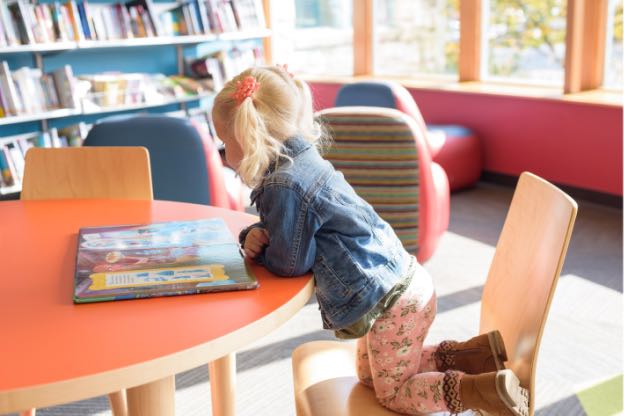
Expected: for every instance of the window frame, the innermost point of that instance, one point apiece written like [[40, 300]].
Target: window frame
[[584, 62]]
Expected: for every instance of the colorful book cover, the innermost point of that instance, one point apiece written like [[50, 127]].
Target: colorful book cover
[[159, 259]]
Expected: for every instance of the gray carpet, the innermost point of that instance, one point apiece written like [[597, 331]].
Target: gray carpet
[[582, 342]]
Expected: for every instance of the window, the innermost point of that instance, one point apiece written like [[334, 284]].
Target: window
[[314, 36], [416, 36], [613, 52], [525, 40]]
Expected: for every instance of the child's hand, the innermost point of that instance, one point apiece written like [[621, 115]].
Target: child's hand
[[257, 238]]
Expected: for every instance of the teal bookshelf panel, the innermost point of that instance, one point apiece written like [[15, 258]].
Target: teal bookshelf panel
[[146, 59]]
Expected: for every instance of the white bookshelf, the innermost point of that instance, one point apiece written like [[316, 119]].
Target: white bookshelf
[[135, 107], [48, 115], [39, 47], [135, 42], [250, 34]]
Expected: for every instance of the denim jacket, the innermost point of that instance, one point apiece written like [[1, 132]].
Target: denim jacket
[[317, 222]]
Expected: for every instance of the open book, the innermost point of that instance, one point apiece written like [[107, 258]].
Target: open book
[[160, 259]]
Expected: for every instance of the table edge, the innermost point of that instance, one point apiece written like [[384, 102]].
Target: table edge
[[84, 387]]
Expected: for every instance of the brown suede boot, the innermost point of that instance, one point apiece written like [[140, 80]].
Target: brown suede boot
[[494, 394], [482, 354]]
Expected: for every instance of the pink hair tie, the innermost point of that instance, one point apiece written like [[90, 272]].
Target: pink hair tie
[[245, 88]]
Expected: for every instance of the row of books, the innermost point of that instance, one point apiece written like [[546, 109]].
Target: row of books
[[13, 149], [24, 23], [30, 91], [114, 90], [197, 17], [13, 152], [221, 66]]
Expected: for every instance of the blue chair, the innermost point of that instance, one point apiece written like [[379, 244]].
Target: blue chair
[[186, 166]]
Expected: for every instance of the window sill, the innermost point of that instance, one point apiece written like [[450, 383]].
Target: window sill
[[596, 97]]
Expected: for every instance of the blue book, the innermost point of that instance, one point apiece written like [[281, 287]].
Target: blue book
[[83, 20]]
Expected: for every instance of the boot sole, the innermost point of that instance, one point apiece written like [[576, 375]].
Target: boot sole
[[497, 345], [516, 398]]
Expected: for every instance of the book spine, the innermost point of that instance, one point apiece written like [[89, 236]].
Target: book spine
[[46, 11], [7, 23], [149, 7], [17, 159], [42, 26], [13, 99], [74, 17], [24, 11], [64, 81], [5, 169], [9, 173], [89, 19], [4, 106], [203, 16]]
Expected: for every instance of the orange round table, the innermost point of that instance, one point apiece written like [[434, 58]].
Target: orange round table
[[53, 351]]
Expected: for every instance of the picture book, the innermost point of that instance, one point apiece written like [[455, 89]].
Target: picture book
[[159, 259]]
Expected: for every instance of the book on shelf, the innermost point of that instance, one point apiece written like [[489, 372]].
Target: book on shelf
[[65, 82], [116, 90], [29, 91], [7, 170], [9, 92], [158, 259], [22, 24], [25, 22], [249, 14], [13, 149], [223, 65]]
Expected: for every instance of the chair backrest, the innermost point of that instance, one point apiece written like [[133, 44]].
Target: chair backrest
[[388, 94], [382, 154], [524, 271], [180, 158], [79, 172]]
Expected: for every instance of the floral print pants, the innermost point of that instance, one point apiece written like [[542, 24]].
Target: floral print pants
[[391, 358]]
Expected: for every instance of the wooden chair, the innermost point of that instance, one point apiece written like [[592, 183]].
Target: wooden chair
[[86, 173], [516, 298], [81, 172]]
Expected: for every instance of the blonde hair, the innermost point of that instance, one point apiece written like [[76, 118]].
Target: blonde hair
[[280, 109]]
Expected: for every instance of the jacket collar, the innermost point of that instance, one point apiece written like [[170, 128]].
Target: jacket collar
[[295, 145], [291, 147]]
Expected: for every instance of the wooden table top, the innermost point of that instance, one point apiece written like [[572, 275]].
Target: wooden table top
[[59, 351]]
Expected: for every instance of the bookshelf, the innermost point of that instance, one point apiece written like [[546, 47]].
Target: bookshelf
[[136, 42], [161, 53]]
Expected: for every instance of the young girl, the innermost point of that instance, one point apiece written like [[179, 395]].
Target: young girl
[[367, 285]]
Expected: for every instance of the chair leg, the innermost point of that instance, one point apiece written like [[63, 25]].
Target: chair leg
[[118, 403]]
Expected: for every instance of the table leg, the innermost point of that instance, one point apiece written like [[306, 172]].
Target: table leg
[[152, 399], [118, 403], [223, 385]]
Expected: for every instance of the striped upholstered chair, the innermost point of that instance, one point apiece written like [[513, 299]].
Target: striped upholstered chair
[[455, 148], [383, 155]]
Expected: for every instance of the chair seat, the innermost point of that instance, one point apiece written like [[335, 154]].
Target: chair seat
[[326, 383]]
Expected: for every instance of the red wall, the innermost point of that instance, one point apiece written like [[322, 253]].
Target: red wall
[[568, 143]]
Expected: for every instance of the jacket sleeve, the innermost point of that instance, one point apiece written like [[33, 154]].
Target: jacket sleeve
[[292, 226]]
